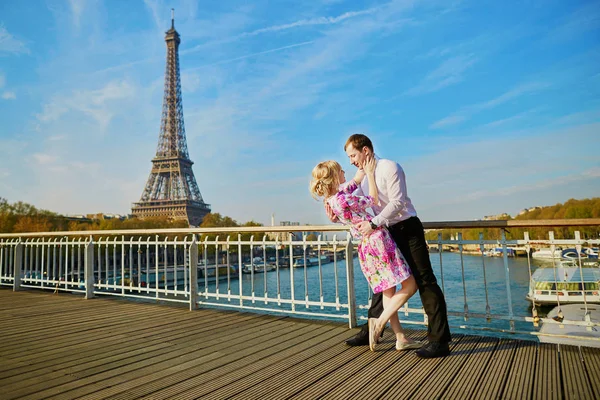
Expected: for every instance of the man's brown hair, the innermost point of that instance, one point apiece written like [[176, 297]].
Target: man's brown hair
[[358, 141]]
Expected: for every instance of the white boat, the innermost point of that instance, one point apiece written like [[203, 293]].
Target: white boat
[[572, 254], [257, 268], [587, 336], [547, 254], [310, 261], [567, 285], [499, 252], [592, 252]]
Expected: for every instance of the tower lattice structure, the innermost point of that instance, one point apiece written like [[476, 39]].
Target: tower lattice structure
[[171, 190]]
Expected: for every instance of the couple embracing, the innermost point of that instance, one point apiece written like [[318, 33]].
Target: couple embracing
[[392, 249]]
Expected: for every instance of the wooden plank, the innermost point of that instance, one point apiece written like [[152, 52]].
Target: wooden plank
[[575, 383], [591, 361], [519, 383], [114, 348], [229, 380], [466, 380], [493, 380], [432, 382], [407, 372], [547, 383], [349, 378], [303, 374], [103, 371], [191, 349], [148, 342], [190, 360]]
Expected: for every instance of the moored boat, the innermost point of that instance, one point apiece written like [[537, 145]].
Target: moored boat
[[547, 254], [588, 336], [499, 252], [564, 285]]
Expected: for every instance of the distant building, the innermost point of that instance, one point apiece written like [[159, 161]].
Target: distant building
[[289, 223], [502, 216], [298, 234], [526, 210], [101, 216]]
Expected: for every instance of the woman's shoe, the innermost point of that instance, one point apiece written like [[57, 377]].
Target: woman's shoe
[[408, 346], [375, 332], [372, 337]]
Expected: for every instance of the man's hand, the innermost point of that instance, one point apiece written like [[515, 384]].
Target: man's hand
[[329, 211], [364, 227]]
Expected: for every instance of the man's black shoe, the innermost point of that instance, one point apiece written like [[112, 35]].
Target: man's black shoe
[[361, 338], [433, 350]]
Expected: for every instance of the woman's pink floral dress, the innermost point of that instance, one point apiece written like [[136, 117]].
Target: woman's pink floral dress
[[380, 259]]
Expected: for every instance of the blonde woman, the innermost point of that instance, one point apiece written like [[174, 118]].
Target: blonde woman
[[380, 259]]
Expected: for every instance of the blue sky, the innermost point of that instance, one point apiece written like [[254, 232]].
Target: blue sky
[[489, 106]]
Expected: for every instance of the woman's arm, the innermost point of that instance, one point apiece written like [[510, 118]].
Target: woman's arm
[[359, 176], [369, 169]]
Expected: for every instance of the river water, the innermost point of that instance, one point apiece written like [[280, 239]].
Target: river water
[[472, 292]]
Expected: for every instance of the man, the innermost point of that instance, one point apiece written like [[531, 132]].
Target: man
[[397, 213]]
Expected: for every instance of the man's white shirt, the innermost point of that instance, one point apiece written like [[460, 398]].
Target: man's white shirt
[[395, 205]]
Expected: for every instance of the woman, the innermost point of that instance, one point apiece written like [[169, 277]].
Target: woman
[[380, 260]]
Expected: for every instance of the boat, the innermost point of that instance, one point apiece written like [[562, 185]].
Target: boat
[[547, 254], [584, 253], [499, 251], [572, 254], [564, 284], [310, 261], [585, 263], [586, 336], [257, 268], [592, 252]]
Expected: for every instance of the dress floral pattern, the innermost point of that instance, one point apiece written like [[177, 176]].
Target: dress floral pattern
[[380, 259]]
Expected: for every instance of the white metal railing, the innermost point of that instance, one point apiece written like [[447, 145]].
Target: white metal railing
[[157, 264]]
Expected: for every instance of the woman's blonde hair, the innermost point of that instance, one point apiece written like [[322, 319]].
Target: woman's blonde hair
[[325, 179]]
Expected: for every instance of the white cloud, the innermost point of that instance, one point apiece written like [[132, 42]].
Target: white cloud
[[312, 21], [77, 7], [10, 44], [467, 112], [8, 95], [518, 91], [509, 120], [44, 159], [585, 18], [190, 82], [490, 173], [444, 122], [450, 72], [324, 20], [154, 9], [99, 104]]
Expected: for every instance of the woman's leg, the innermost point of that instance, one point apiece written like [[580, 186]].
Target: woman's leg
[[392, 300], [387, 305]]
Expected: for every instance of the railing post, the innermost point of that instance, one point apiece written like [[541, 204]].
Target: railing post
[[507, 277], [88, 265], [293, 298], [194, 274], [350, 284], [17, 261]]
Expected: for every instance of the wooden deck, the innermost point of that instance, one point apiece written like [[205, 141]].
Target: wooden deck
[[61, 346]]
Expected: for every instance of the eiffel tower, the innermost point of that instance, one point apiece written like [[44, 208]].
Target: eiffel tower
[[171, 190]]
